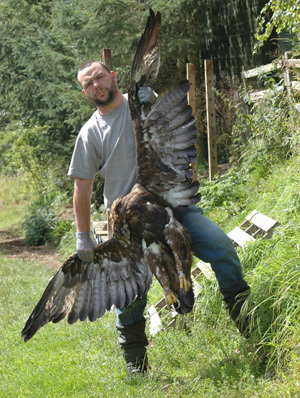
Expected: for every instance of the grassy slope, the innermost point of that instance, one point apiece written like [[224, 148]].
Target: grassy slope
[[84, 360], [12, 203]]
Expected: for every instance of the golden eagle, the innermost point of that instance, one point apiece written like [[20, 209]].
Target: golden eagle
[[147, 239]]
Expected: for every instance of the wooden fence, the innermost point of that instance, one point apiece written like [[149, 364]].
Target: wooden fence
[[287, 68]]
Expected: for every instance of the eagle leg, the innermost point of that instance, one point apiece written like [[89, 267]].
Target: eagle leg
[[178, 240], [183, 282], [153, 257]]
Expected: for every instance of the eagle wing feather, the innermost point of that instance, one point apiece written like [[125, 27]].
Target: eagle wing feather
[[165, 131], [80, 291]]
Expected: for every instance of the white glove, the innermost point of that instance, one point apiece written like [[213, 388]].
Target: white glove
[[145, 94], [85, 246]]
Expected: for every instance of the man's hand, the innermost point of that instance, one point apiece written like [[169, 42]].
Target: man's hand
[[85, 246], [145, 94]]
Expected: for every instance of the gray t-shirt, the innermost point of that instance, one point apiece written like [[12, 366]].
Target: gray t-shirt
[[106, 145]]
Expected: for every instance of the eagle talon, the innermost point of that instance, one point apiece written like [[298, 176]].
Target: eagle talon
[[177, 305], [184, 283], [171, 299]]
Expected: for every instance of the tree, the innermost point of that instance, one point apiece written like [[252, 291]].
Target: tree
[[44, 41], [279, 15]]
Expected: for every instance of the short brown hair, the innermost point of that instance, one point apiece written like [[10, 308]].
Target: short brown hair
[[89, 63]]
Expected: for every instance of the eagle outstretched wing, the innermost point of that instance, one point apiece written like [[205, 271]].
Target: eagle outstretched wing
[[166, 148], [116, 277], [147, 239], [165, 132]]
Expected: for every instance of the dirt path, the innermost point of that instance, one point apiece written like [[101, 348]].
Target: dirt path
[[12, 246]]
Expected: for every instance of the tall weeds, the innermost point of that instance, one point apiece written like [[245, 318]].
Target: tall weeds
[[264, 176]]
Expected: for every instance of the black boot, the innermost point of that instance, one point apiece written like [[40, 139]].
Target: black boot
[[133, 342], [235, 299]]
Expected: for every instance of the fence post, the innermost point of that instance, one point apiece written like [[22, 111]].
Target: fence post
[[106, 57], [286, 73], [211, 119], [191, 96]]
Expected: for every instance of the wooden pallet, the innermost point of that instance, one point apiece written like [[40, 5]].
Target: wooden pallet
[[100, 231], [160, 316], [255, 224]]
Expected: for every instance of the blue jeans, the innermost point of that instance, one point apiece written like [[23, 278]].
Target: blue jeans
[[211, 245]]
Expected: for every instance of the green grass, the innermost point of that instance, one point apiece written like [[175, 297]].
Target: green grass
[[84, 360], [212, 360], [12, 202]]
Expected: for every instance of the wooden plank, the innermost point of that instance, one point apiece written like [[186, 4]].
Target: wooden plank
[[196, 288], [247, 74], [100, 230], [195, 272], [284, 65], [191, 95], [155, 323], [247, 222], [263, 222], [211, 119], [178, 322], [206, 269], [100, 225], [106, 57], [161, 303], [292, 63], [240, 237], [252, 230], [286, 74], [251, 215]]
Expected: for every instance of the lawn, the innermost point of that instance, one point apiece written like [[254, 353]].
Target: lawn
[[211, 360]]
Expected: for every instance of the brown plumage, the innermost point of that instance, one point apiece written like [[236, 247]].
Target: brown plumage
[[147, 239]]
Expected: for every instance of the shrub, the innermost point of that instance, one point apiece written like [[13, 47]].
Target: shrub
[[37, 226], [42, 226], [223, 191]]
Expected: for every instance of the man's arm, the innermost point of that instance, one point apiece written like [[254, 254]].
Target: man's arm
[[82, 203], [82, 208]]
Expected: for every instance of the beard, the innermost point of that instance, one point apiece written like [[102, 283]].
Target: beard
[[112, 93]]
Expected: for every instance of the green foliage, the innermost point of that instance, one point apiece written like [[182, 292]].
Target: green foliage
[[226, 365], [42, 225], [59, 228], [271, 266], [67, 244], [27, 150], [30, 152], [273, 123], [279, 15], [37, 226], [229, 103], [268, 131], [13, 202], [224, 191], [273, 269], [43, 43]]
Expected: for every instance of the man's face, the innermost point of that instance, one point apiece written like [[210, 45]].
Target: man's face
[[98, 85]]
